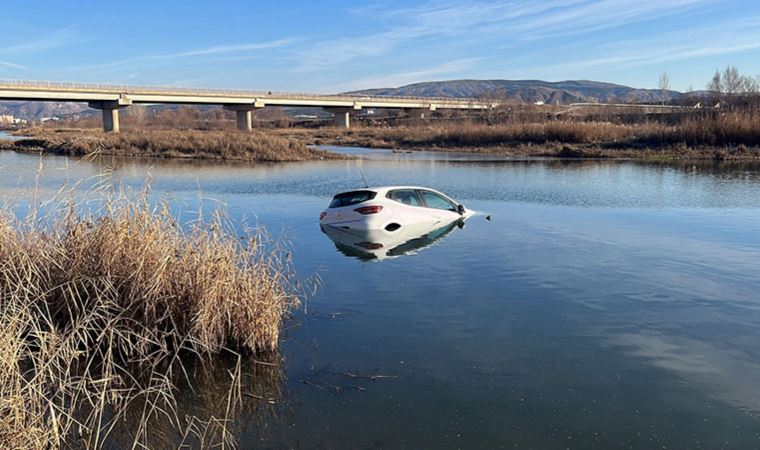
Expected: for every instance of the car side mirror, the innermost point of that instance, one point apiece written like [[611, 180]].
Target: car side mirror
[[460, 209]]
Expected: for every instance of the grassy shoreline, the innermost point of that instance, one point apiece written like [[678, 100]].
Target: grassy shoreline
[[103, 310], [727, 138], [730, 136], [256, 146]]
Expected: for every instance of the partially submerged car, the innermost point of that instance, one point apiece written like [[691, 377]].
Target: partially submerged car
[[392, 208]]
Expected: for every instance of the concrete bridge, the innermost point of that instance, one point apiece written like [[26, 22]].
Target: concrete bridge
[[110, 98]]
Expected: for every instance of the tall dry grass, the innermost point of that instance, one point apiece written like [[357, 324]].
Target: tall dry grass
[[725, 129], [256, 146], [100, 309], [708, 134]]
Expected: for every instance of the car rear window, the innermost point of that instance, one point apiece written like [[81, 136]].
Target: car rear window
[[351, 198]]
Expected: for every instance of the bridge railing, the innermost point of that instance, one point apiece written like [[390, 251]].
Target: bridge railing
[[137, 89]]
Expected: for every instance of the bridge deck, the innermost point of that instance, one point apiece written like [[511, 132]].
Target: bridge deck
[[83, 92]]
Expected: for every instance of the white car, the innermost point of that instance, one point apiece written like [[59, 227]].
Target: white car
[[392, 208]]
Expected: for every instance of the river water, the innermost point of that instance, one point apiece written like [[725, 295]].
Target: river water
[[604, 305]]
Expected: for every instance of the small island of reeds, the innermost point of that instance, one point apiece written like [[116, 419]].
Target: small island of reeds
[[228, 145], [104, 308]]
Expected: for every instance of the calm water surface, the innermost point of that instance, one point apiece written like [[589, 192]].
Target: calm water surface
[[8, 136], [606, 305]]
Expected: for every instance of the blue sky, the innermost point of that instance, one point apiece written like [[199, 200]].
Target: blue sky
[[335, 46]]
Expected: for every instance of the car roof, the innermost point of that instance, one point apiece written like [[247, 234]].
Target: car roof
[[384, 189]]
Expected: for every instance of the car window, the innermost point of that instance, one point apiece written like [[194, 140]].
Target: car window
[[433, 200], [351, 198], [407, 197]]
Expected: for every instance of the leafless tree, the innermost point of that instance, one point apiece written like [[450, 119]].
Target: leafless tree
[[733, 80], [689, 98], [664, 87], [749, 86], [731, 89], [715, 86], [732, 84]]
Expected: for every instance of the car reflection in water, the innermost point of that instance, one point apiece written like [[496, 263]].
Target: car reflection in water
[[378, 245]]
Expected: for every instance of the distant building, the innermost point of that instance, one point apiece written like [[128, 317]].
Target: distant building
[[6, 119]]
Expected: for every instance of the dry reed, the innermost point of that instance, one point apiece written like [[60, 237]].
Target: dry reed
[[100, 307], [710, 135], [256, 146]]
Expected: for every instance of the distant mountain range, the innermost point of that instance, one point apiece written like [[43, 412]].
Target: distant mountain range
[[519, 91], [41, 110], [528, 91]]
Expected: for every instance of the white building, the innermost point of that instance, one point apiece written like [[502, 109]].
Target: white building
[[6, 119]]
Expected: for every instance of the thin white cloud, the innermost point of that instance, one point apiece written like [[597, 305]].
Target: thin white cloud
[[393, 80], [49, 41], [483, 23], [719, 39], [160, 58], [447, 20], [13, 65], [225, 49], [589, 17]]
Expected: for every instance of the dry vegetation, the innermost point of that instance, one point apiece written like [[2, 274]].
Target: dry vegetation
[[700, 135], [726, 126], [256, 146], [103, 308], [732, 135]]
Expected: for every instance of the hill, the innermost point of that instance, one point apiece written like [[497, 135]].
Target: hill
[[41, 110], [528, 91]]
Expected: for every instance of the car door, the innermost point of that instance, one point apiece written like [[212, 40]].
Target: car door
[[409, 208], [439, 206]]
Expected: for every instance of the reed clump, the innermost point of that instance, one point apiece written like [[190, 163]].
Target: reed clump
[[100, 307], [254, 146]]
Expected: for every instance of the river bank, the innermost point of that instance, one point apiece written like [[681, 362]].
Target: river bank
[[731, 136], [726, 138], [257, 146]]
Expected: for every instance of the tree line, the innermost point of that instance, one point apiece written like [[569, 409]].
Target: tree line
[[729, 89]]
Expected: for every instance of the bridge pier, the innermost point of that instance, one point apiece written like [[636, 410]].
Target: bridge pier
[[343, 115], [343, 119], [244, 114], [244, 120], [416, 113], [110, 120], [110, 111]]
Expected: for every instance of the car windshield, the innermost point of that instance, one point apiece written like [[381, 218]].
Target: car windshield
[[433, 200], [351, 198], [407, 197]]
